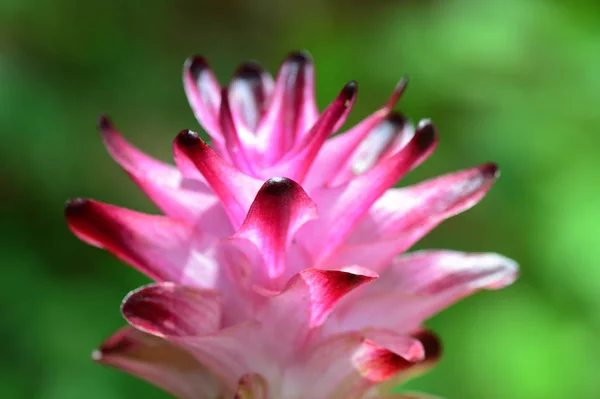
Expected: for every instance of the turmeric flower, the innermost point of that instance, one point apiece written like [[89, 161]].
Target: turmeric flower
[[278, 264]]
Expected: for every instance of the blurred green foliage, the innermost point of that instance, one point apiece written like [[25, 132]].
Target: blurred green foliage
[[513, 81]]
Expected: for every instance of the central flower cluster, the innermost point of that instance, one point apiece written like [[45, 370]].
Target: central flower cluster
[[279, 263]]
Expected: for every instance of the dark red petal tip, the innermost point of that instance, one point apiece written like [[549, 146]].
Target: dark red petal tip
[[249, 70], [426, 134], [196, 65], [431, 343], [299, 57], [187, 138], [349, 89], [277, 186], [396, 119], [104, 123], [76, 206], [490, 170]]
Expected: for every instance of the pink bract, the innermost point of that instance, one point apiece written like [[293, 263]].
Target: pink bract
[[279, 262]]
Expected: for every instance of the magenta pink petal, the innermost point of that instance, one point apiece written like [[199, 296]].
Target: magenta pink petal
[[170, 310], [188, 199], [162, 248], [419, 285], [298, 161], [159, 362], [348, 365], [204, 95], [335, 152], [250, 93], [281, 207], [238, 142], [387, 137], [384, 354], [292, 110], [235, 189], [342, 207], [426, 204], [320, 290]]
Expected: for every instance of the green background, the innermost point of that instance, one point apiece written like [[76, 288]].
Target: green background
[[512, 81]]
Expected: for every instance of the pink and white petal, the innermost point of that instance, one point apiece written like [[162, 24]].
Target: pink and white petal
[[297, 162], [170, 310], [387, 137], [419, 285], [303, 306], [433, 351], [292, 110], [250, 93], [428, 203], [235, 189], [436, 272], [177, 196], [346, 366], [158, 362], [336, 150], [252, 386], [162, 248], [342, 207], [204, 95], [234, 352], [281, 207], [239, 141], [190, 319]]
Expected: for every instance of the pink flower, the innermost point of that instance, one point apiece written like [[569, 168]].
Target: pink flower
[[285, 287]]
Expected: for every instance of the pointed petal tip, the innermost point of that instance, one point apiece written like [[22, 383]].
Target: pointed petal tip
[[349, 90], [196, 65], [188, 138], [299, 57], [249, 70], [431, 343], [490, 170], [396, 119], [76, 206], [426, 134], [105, 124], [97, 355]]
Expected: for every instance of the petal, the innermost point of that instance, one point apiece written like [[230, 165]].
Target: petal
[[292, 110], [235, 189], [237, 141], [298, 161], [204, 95], [250, 92], [348, 365], [158, 362], [170, 310], [189, 199], [191, 320], [281, 207], [433, 351], [160, 247], [342, 207], [413, 211], [303, 305], [387, 137], [384, 354], [321, 289], [252, 386], [419, 285], [335, 153]]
